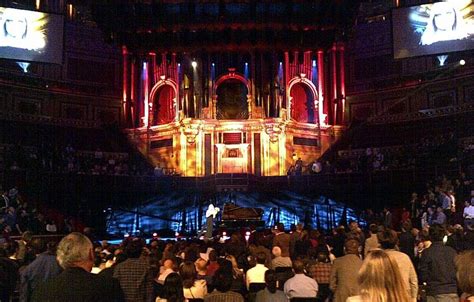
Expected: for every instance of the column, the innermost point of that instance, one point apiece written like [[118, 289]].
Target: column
[[323, 110]]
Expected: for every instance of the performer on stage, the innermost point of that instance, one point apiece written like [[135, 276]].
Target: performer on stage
[[210, 215]]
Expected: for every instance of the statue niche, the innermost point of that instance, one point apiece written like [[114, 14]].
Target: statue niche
[[302, 104], [163, 106], [232, 100]]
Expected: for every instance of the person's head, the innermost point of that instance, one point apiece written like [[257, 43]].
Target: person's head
[[168, 263], [298, 266], [465, 273], [173, 288], [201, 265], [134, 248], [261, 258], [271, 280], [437, 232], [322, 257], [373, 228], [276, 251], [280, 227], [407, 226], [188, 272], [351, 246], [38, 245], [380, 280], [75, 250], [444, 16], [15, 24], [439, 209], [213, 256], [222, 280], [232, 260], [388, 239]]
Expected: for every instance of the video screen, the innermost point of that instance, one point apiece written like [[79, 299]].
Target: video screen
[[31, 36], [435, 28]]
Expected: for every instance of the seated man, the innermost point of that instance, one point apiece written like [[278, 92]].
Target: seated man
[[300, 285], [257, 273], [76, 255]]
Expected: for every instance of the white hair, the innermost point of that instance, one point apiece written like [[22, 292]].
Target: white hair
[[73, 248]]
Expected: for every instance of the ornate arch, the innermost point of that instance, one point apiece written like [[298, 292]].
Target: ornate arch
[[160, 84], [231, 75], [306, 82]]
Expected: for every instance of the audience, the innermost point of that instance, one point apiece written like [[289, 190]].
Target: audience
[[192, 287]]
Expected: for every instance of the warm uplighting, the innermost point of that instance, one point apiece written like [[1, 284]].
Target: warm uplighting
[[194, 64]]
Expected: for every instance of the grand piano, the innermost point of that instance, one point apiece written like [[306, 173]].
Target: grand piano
[[236, 216]]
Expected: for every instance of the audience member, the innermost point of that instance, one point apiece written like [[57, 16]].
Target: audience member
[[300, 285], [193, 288], [43, 268], [257, 273], [222, 281], [343, 279], [379, 280], [271, 293], [76, 256], [134, 274], [437, 268], [465, 275], [388, 241], [172, 289]]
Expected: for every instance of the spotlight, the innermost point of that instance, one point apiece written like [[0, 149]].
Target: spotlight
[[126, 235], [314, 63], [224, 233], [246, 64], [462, 62], [194, 64], [176, 234], [155, 234], [213, 64]]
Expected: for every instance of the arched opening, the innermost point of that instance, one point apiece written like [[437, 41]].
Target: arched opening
[[302, 103], [163, 105], [232, 100]]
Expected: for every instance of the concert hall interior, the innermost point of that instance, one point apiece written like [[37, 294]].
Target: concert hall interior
[[132, 117]]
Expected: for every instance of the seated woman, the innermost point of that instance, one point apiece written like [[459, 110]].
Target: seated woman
[[465, 275], [172, 289], [192, 287], [271, 293]]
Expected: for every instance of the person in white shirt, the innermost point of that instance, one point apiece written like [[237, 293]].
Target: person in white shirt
[[468, 213], [257, 273]]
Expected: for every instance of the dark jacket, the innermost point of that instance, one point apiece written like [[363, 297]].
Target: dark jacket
[[407, 244], [437, 269], [42, 269], [75, 284]]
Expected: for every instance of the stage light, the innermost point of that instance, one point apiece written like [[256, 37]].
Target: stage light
[[246, 64], [213, 64], [224, 233], [155, 234], [247, 233], [176, 234], [462, 62], [194, 64], [314, 63], [126, 235]]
